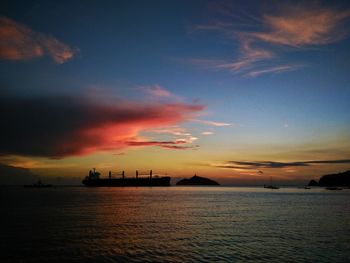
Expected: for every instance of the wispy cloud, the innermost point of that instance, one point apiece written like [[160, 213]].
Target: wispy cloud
[[249, 55], [212, 123], [273, 164], [19, 42], [279, 69], [173, 130], [260, 50], [181, 134], [176, 145], [158, 91]]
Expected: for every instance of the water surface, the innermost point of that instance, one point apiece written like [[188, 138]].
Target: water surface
[[174, 224]]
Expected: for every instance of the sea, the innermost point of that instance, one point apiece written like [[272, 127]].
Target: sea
[[174, 224]]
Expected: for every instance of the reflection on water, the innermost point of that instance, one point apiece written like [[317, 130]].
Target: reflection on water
[[178, 224]]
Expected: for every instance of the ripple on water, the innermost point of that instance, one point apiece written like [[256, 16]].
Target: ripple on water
[[177, 224]]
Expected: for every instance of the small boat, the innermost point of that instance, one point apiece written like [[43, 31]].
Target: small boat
[[271, 186], [334, 188], [39, 184]]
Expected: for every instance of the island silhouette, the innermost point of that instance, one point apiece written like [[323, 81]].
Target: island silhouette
[[197, 180], [328, 180]]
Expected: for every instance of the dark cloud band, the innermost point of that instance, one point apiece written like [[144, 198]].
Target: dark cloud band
[[272, 164]]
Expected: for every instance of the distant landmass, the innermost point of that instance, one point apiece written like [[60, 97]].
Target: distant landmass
[[313, 183], [197, 180], [10, 175], [339, 179]]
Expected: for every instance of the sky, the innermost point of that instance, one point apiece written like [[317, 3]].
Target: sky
[[238, 91]]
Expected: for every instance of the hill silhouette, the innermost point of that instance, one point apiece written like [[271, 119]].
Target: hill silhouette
[[339, 179]]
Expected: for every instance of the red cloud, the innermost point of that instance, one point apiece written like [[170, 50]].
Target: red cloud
[[19, 42], [63, 126]]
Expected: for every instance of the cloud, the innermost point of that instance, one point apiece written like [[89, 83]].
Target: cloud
[[164, 144], [177, 147], [249, 55], [19, 42], [186, 137], [279, 69], [303, 26], [67, 125], [212, 123], [260, 43], [152, 143], [158, 91], [174, 130], [207, 133], [272, 164]]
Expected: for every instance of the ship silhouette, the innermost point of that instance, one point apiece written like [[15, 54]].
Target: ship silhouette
[[93, 179], [39, 184], [271, 186]]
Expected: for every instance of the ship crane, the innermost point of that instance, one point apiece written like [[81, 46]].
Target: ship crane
[[150, 173], [116, 173]]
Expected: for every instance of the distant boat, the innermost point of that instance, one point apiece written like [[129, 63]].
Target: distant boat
[[271, 186], [39, 184], [94, 180], [304, 187], [334, 188]]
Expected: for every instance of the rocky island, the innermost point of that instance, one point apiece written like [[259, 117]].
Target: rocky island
[[339, 179], [197, 180]]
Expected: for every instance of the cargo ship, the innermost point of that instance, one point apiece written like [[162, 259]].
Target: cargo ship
[[94, 180]]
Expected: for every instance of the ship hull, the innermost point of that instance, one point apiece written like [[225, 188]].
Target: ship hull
[[120, 182]]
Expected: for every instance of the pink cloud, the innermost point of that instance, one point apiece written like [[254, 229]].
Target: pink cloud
[[19, 42], [175, 130], [207, 133], [303, 26]]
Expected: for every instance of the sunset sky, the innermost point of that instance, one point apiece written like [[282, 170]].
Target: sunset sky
[[237, 91]]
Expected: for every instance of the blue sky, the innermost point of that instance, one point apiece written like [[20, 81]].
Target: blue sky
[[275, 73]]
